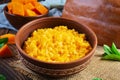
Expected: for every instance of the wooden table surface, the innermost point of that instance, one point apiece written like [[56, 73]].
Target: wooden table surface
[[5, 68]]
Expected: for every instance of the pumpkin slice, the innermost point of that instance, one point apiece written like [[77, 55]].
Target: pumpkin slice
[[11, 37], [5, 51], [18, 8], [20, 1], [29, 1], [42, 9], [26, 8], [29, 6], [10, 7], [29, 12]]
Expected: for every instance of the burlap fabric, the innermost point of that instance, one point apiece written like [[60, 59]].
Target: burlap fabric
[[107, 70], [102, 16]]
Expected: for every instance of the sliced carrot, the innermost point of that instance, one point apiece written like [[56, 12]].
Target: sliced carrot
[[11, 37], [5, 51]]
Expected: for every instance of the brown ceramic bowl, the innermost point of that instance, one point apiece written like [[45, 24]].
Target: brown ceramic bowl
[[18, 21], [54, 69]]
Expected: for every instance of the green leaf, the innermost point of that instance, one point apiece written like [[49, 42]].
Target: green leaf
[[114, 49], [2, 77], [3, 41], [97, 79], [111, 53], [1, 45], [112, 57], [107, 49]]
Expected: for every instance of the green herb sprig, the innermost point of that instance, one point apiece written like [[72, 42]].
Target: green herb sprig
[[111, 53]]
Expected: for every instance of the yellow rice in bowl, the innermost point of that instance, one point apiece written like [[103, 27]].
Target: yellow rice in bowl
[[58, 44]]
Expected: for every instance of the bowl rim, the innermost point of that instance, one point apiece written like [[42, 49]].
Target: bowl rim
[[5, 9], [91, 53]]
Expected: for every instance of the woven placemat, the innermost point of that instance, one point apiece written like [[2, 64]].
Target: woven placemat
[[106, 70]]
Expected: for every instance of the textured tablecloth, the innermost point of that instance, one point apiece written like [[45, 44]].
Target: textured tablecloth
[[107, 70]]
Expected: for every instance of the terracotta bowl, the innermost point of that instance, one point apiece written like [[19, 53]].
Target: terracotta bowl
[[18, 21], [54, 69]]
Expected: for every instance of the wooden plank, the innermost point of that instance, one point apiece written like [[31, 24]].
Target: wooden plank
[[3, 31], [9, 72], [11, 31], [5, 68]]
